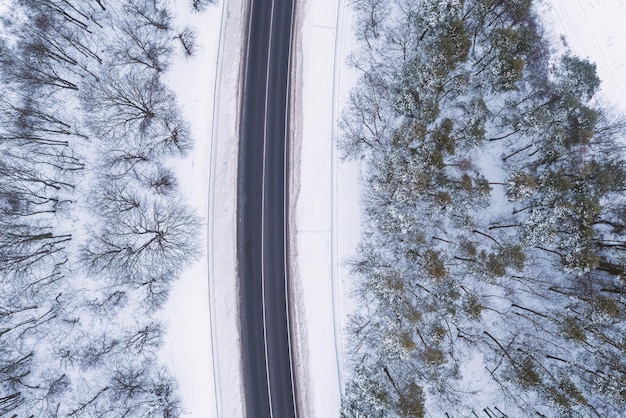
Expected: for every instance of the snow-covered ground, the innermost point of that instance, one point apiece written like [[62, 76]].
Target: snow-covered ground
[[325, 222], [325, 196], [188, 343], [222, 243], [592, 29], [201, 309], [312, 181]]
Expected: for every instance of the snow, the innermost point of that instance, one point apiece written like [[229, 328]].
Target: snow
[[325, 226], [188, 344], [202, 345], [223, 217], [595, 30]]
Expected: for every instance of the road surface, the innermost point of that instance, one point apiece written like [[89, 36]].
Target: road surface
[[261, 213]]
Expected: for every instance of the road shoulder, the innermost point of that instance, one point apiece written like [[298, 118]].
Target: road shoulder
[[324, 219], [222, 228]]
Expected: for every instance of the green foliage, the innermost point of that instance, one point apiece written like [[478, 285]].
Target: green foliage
[[393, 283], [510, 71], [566, 394], [526, 374], [516, 10], [605, 176], [571, 391], [482, 187], [443, 138], [437, 332], [443, 198], [472, 131], [365, 396], [606, 305], [509, 45], [407, 342], [571, 328], [419, 131], [558, 181], [581, 125], [411, 402], [477, 189], [454, 44], [473, 307], [434, 265], [577, 77], [412, 255], [466, 183], [521, 185], [476, 131], [413, 315], [433, 356], [494, 264], [588, 209], [468, 248], [583, 259], [515, 256], [411, 98]]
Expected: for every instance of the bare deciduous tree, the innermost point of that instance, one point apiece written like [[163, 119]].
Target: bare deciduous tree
[[201, 5], [187, 38], [142, 46], [150, 13], [154, 238], [136, 106]]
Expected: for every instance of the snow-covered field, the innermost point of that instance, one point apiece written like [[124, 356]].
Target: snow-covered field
[[595, 30], [325, 191]]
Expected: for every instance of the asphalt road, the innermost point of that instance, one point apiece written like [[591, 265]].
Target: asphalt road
[[261, 213]]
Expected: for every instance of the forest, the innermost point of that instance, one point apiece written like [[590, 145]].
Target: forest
[[490, 276], [93, 230]]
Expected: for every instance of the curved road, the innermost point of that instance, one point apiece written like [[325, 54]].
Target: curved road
[[261, 212]]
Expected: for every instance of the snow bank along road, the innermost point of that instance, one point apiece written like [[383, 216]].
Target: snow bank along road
[[261, 233]]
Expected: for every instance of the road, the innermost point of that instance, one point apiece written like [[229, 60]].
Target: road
[[261, 212]]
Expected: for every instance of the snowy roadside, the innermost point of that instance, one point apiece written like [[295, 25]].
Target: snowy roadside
[[222, 231], [325, 193], [188, 339], [202, 346], [204, 351]]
